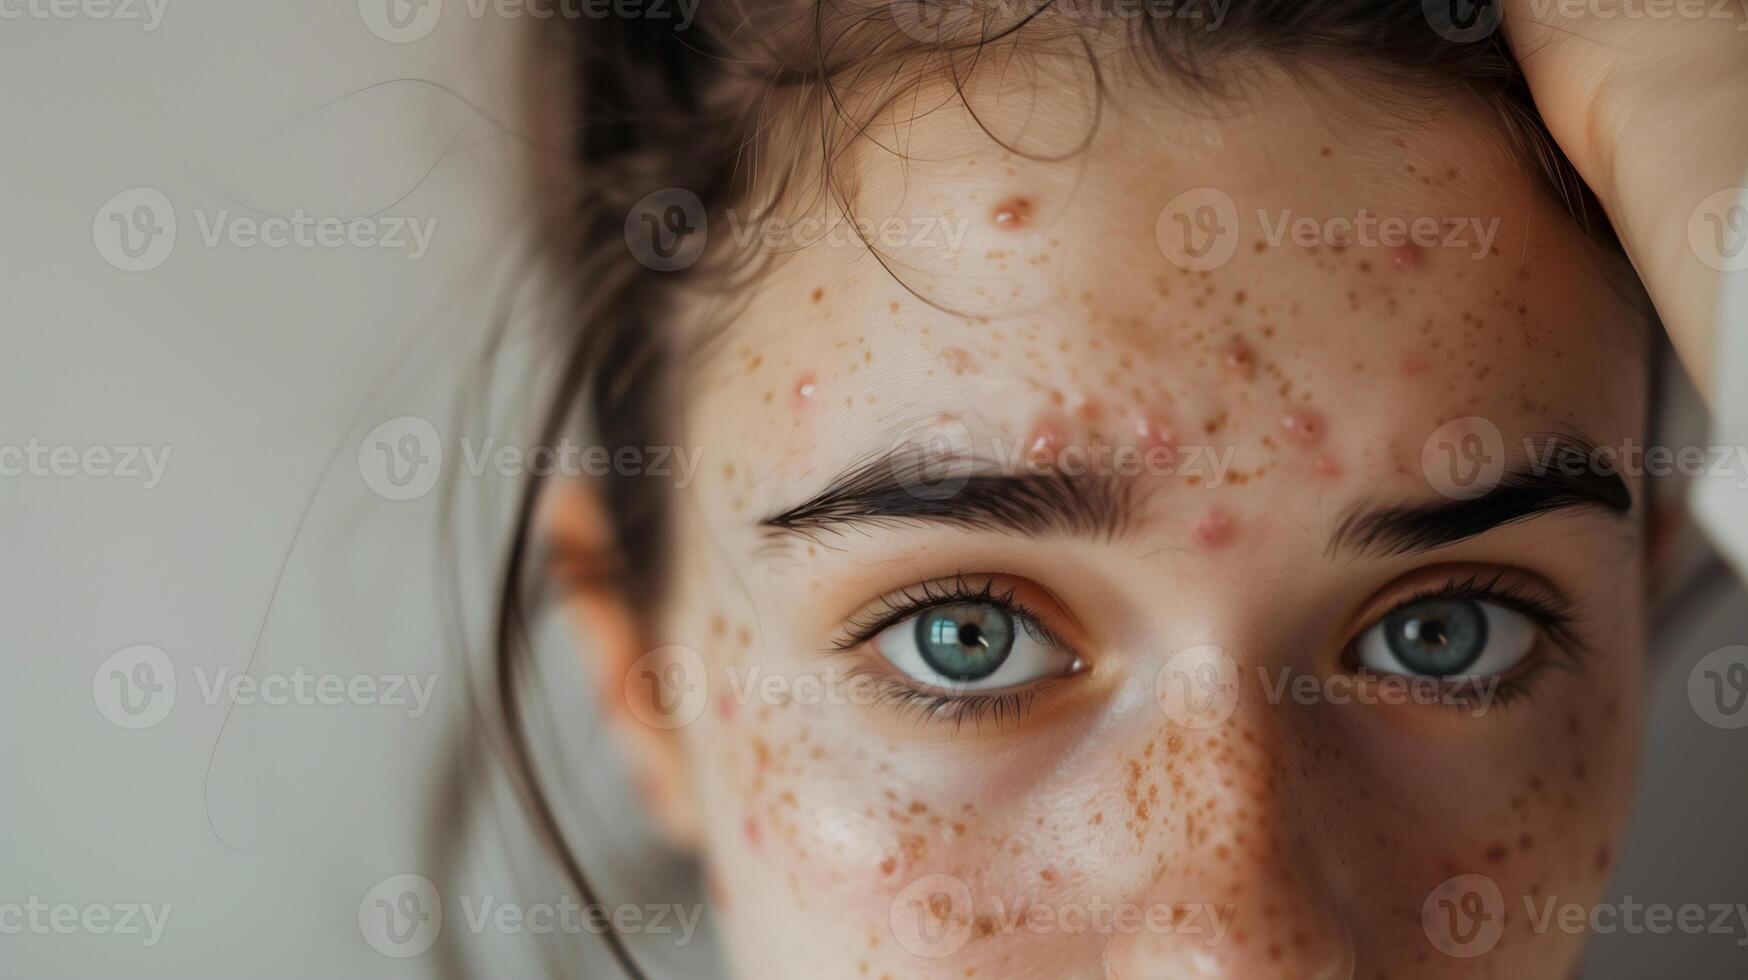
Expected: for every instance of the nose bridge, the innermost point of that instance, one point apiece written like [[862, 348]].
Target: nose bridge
[[1240, 872]]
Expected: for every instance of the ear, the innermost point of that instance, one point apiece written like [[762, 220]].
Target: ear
[[619, 660]]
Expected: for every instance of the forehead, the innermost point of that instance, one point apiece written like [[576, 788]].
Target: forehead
[[1282, 270]]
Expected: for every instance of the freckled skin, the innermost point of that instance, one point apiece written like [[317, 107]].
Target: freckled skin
[[1318, 830]]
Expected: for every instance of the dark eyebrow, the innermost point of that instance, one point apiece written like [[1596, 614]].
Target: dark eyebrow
[[1564, 477], [904, 488]]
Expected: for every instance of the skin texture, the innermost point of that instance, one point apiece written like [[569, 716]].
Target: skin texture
[[1292, 838]]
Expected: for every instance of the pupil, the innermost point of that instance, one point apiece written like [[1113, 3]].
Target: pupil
[[970, 635]]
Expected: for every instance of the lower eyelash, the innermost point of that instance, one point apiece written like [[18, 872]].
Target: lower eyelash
[[927, 707]]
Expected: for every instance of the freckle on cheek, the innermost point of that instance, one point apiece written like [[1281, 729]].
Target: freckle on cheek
[[1214, 528], [959, 360]]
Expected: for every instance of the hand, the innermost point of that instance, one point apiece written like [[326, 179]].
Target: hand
[[1649, 99]]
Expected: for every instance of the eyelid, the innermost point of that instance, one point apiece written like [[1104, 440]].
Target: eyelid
[[1038, 605], [1507, 586]]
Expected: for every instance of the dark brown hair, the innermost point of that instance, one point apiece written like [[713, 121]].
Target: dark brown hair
[[753, 99]]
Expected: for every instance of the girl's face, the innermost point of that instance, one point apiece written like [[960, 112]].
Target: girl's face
[[1187, 582]]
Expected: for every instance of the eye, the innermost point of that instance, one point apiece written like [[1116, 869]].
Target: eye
[[972, 646], [1447, 637]]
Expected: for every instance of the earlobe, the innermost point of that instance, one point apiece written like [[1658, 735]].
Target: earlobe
[[613, 645]]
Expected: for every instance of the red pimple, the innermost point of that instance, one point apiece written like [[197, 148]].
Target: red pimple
[[1046, 440], [1327, 466], [1405, 255], [752, 832], [1155, 434], [1214, 528], [1415, 366], [725, 707], [805, 388], [1304, 426], [1012, 213], [1239, 358]]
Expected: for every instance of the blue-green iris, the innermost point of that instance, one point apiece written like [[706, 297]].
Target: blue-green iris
[[1437, 637], [965, 641]]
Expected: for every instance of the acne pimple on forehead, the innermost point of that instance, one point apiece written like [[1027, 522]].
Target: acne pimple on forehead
[[1214, 528], [806, 387], [1304, 426], [1047, 438], [1012, 213], [1155, 433], [1239, 358]]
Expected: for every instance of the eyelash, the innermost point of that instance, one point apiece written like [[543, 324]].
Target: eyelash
[[907, 602], [1555, 616]]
